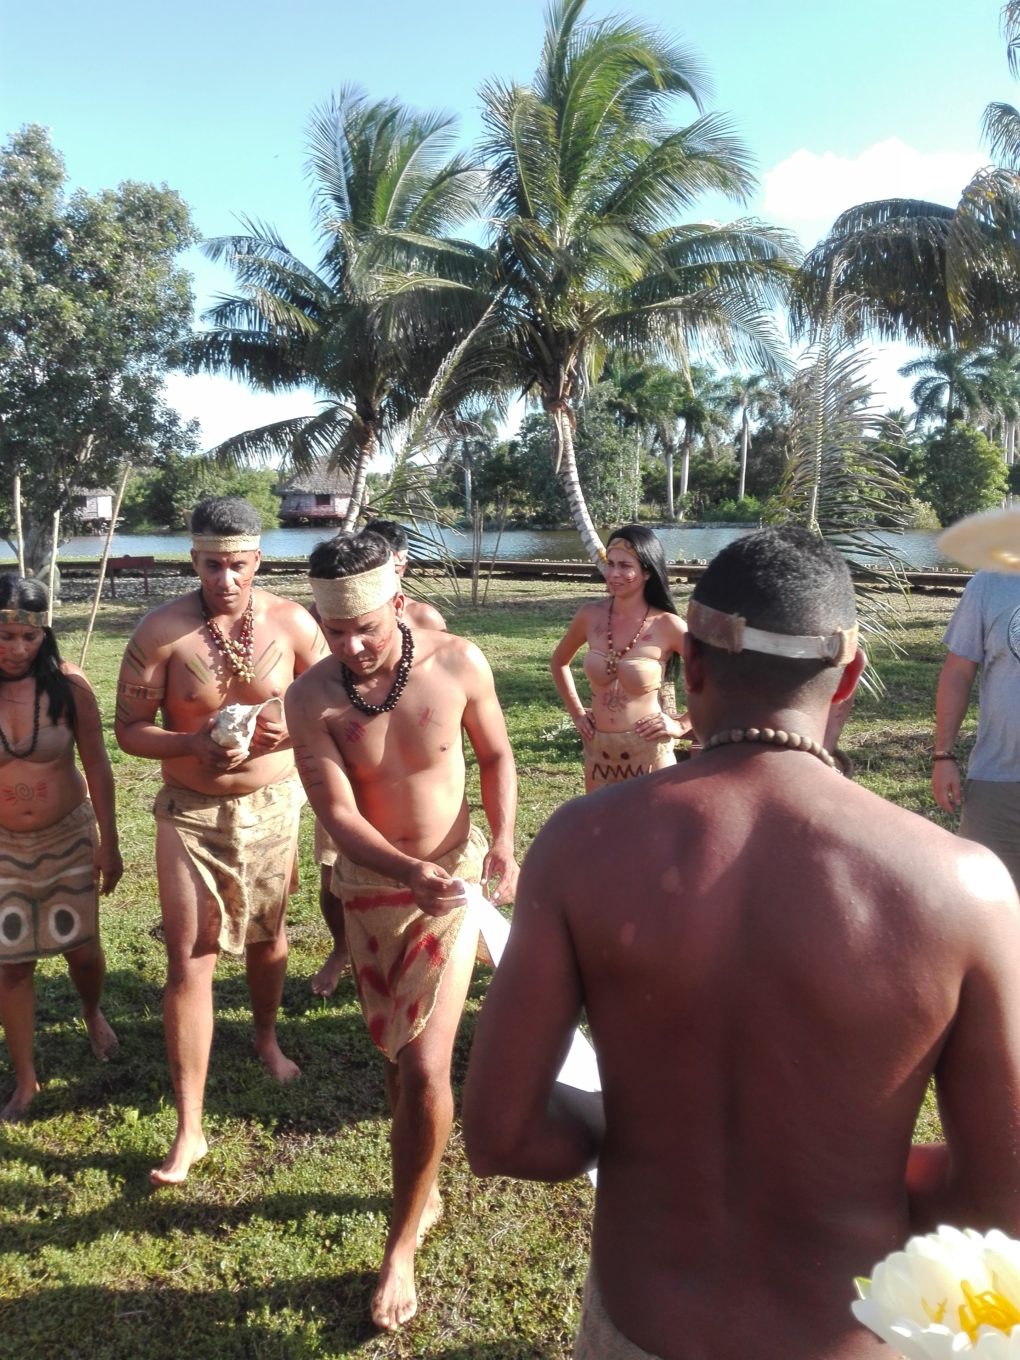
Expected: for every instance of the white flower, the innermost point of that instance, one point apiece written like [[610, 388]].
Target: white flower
[[948, 1294]]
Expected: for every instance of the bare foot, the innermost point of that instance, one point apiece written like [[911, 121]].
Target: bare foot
[[431, 1214], [395, 1300], [101, 1036], [281, 1067], [17, 1107], [185, 1151], [325, 980]]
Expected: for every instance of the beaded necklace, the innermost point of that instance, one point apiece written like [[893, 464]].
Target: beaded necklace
[[239, 655], [400, 680], [790, 741], [612, 655], [23, 755]]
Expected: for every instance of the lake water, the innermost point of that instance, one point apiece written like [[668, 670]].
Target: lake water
[[681, 544]]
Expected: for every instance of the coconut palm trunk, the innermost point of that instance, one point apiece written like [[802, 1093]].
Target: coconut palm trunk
[[562, 420], [745, 442], [359, 478]]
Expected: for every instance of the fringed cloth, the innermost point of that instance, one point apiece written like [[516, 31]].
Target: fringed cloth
[[398, 954], [598, 1338], [611, 757], [49, 899], [243, 849]]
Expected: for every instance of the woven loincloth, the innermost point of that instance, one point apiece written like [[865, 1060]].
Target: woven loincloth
[[614, 756], [398, 954], [49, 900], [598, 1338], [243, 850], [325, 846]]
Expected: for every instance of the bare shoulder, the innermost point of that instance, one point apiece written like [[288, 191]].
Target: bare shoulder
[[168, 622], [76, 676], [284, 611], [312, 681]]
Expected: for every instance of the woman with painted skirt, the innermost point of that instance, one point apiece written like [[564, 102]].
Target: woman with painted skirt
[[635, 639], [58, 830]]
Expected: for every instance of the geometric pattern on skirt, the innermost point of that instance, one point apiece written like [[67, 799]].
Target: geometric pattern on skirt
[[49, 902]]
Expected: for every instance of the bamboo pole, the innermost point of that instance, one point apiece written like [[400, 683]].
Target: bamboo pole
[[19, 536], [103, 561], [53, 566]]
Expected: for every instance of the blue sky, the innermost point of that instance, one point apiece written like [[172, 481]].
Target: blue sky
[[837, 103]]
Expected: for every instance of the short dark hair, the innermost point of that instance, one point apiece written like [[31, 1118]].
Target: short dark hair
[[28, 593], [225, 515], [657, 593], [393, 533], [347, 555], [785, 580]]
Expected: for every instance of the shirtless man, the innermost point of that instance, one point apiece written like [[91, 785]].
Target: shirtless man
[[377, 732], [774, 961], [226, 818], [416, 614]]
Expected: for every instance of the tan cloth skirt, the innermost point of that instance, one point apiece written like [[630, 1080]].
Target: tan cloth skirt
[[49, 899], [598, 1338], [398, 954], [243, 849], [611, 757]]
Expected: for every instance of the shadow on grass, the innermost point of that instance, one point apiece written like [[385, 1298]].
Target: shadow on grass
[[143, 1210], [321, 1316], [342, 1081]]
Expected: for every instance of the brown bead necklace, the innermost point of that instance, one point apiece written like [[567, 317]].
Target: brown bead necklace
[[770, 736], [239, 655], [612, 655], [399, 680], [23, 755]]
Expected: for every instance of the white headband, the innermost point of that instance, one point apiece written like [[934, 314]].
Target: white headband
[[226, 543], [731, 633], [348, 597]]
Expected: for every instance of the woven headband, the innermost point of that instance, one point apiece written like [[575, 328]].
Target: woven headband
[[226, 543], [348, 597], [731, 633], [28, 617]]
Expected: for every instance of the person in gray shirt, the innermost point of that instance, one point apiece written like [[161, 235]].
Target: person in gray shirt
[[983, 635]]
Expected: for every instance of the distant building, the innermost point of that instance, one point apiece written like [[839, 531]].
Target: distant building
[[320, 496], [92, 509]]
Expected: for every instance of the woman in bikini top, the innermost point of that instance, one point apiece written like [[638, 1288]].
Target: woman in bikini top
[[634, 639], [56, 850]]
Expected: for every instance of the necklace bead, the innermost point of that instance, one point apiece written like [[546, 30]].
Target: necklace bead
[[23, 755], [399, 680], [771, 736], [239, 655], [612, 655]]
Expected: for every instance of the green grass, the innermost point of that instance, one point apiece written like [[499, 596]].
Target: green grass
[[271, 1248]]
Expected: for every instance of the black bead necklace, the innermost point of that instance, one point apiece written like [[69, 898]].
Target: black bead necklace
[[23, 755], [400, 680]]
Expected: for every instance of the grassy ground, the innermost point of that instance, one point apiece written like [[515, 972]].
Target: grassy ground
[[271, 1248]]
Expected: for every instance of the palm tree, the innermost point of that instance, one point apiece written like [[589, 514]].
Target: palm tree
[[751, 397], [947, 386], [701, 408], [590, 190], [928, 272], [999, 385], [372, 326]]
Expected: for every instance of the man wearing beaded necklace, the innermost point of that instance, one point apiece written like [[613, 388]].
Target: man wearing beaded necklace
[[774, 962], [378, 733], [227, 817]]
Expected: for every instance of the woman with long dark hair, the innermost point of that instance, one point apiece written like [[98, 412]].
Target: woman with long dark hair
[[58, 830], [635, 639]]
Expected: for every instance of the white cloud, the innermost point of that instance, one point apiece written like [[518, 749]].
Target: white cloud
[[808, 190], [224, 407]]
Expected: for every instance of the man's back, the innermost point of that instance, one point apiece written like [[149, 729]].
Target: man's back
[[770, 979]]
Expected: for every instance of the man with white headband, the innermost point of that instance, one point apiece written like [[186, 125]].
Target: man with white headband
[[774, 962], [227, 817], [378, 732], [416, 614]]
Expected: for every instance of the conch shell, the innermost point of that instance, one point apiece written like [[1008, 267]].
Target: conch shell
[[235, 724]]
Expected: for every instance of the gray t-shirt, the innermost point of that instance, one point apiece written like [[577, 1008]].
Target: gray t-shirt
[[986, 628]]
